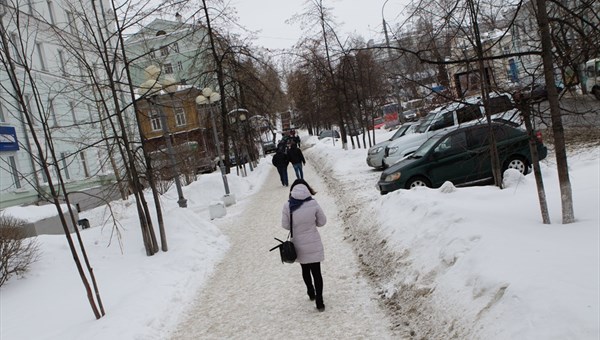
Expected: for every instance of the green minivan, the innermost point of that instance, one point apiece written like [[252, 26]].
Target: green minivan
[[461, 156]]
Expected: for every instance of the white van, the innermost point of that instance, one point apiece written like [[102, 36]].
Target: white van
[[449, 117], [592, 75]]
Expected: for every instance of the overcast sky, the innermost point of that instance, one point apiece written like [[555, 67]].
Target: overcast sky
[[355, 16]]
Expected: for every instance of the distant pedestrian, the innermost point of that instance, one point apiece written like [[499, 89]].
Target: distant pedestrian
[[294, 138], [297, 159], [281, 161], [306, 215]]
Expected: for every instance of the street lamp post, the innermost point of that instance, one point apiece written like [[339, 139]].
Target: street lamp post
[[209, 97], [394, 81], [153, 88], [239, 118]]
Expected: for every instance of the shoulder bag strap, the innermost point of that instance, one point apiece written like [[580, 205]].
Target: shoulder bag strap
[[291, 223]]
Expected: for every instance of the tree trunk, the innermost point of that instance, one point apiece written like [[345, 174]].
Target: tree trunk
[[568, 215]]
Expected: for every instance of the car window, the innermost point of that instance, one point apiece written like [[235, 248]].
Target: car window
[[452, 144], [427, 121], [478, 137], [468, 113], [444, 121], [500, 104]]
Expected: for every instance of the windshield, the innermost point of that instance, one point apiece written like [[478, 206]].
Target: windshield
[[425, 147], [428, 120], [400, 132]]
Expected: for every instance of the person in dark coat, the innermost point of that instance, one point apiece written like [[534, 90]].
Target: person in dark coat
[[306, 215], [297, 159], [281, 161]]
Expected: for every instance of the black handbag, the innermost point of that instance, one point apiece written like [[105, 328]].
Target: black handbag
[[287, 251]]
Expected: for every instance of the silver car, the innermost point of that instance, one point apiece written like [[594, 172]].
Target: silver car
[[376, 152]]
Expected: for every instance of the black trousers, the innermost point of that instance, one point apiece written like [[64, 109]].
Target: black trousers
[[312, 272]]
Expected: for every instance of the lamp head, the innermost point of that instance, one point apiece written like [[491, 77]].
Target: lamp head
[[169, 84], [150, 87], [206, 92], [152, 72], [201, 100], [215, 97]]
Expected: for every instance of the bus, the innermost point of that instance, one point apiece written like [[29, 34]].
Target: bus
[[592, 77]]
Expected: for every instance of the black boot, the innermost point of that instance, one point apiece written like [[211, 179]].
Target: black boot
[[311, 294], [320, 305]]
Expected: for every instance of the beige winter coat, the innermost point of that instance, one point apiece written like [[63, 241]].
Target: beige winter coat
[[307, 218]]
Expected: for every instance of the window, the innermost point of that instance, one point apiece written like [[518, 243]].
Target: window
[[168, 68], [63, 157], [2, 118], [71, 22], [179, 66], [155, 119], [102, 161], [468, 113], [51, 12], [28, 111], [447, 119], [15, 42], [164, 51], [41, 56], [72, 108], [91, 114], [14, 171], [479, 137], [176, 47], [180, 117], [86, 173], [61, 60], [452, 144], [500, 104], [52, 112], [44, 177]]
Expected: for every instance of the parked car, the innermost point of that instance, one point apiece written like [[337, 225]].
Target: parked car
[[461, 156], [376, 152], [269, 147], [329, 134], [205, 165], [535, 93], [410, 115], [449, 117], [378, 123]]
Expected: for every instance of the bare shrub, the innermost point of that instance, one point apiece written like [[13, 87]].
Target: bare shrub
[[17, 252]]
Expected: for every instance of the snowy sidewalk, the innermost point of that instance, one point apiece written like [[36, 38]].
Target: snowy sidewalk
[[252, 295]]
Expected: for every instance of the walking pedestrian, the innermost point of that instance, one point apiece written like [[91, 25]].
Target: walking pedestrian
[[297, 159], [306, 215], [281, 161]]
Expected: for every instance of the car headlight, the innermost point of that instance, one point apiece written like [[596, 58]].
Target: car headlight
[[392, 177], [393, 149], [375, 150]]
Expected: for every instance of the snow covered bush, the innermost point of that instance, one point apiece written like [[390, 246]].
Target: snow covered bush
[[16, 251]]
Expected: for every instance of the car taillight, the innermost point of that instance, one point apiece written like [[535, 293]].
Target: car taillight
[[538, 136]]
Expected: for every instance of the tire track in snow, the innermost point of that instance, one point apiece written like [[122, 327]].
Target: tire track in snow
[[252, 295]]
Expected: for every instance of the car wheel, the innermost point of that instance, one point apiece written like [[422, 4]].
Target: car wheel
[[518, 163], [418, 182]]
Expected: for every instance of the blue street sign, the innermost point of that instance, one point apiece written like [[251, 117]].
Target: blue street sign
[[8, 139]]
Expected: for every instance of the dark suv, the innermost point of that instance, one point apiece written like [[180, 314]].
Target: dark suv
[[461, 156]]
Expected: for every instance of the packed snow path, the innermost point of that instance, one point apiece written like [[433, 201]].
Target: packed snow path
[[252, 295]]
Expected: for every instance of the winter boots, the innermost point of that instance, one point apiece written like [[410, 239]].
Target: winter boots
[[311, 294], [320, 305]]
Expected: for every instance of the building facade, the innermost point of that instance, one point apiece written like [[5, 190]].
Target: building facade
[[48, 107]]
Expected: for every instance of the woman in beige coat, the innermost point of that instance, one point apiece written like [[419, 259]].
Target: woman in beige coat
[[307, 215]]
